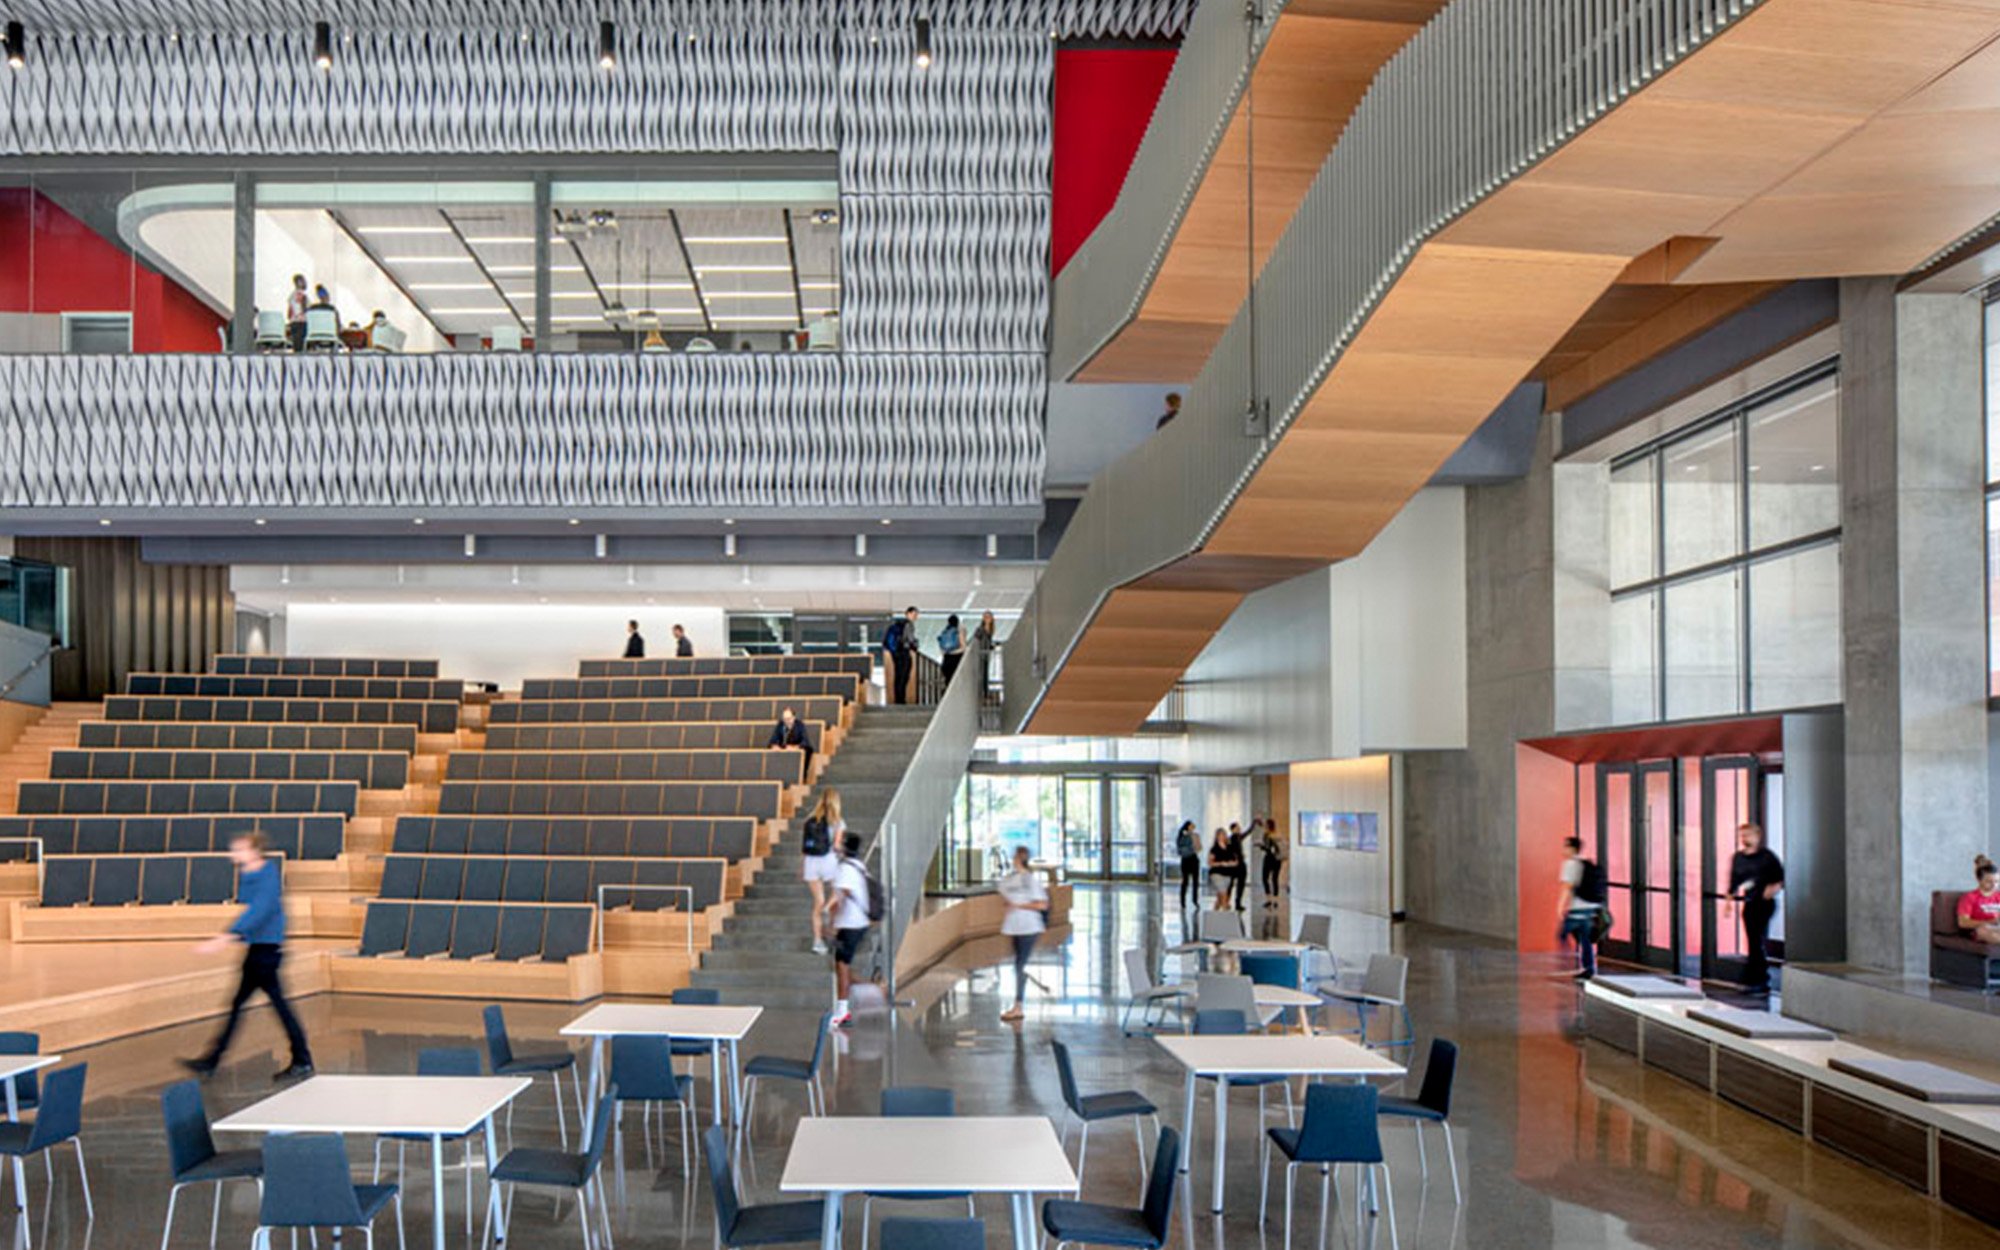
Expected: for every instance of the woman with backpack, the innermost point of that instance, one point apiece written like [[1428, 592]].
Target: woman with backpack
[[817, 843], [1583, 903], [951, 647]]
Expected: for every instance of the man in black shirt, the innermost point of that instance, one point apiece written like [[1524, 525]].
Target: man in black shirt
[[790, 733], [1173, 410], [635, 642], [683, 645], [1755, 877]]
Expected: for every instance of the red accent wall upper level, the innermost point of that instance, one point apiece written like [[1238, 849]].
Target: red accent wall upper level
[[1104, 99], [55, 263]]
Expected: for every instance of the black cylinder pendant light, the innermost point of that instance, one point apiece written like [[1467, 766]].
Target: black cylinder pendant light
[[923, 43], [323, 46], [17, 44], [607, 45]]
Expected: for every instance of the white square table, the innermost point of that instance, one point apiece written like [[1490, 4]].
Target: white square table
[[1262, 1054], [1287, 998], [719, 1026], [436, 1107], [1020, 1156], [12, 1066]]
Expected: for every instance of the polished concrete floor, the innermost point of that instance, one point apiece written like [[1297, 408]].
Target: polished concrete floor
[[1562, 1143]]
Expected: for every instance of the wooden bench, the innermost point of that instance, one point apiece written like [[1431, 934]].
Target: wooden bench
[[371, 770], [827, 710], [431, 717], [683, 736], [729, 838], [295, 836], [763, 800], [320, 666], [784, 767], [638, 883], [172, 798], [238, 686], [844, 686], [244, 736], [857, 663]]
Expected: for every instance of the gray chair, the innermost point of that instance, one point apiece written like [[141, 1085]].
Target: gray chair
[[1384, 986], [1222, 991], [1217, 927], [322, 330], [1146, 992], [271, 331], [1316, 935]]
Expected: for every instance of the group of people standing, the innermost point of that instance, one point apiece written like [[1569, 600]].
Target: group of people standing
[[1228, 862], [899, 650], [635, 643]]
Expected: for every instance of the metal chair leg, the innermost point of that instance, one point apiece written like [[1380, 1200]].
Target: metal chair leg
[[1389, 1204], [83, 1174], [562, 1122], [1083, 1152], [1139, 1140], [167, 1229], [1423, 1158], [215, 1216], [1450, 1159]]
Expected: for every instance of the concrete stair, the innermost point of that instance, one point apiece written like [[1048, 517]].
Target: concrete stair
[[764, 953]]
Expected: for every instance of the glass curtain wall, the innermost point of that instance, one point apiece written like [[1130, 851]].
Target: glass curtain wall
[[1097, 825], [1724, 561]]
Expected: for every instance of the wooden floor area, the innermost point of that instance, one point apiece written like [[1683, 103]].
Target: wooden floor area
[[78, 994]]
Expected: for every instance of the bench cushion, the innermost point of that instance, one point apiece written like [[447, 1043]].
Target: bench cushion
[[1915, 1078], [1642, 986], [1758, 1024]]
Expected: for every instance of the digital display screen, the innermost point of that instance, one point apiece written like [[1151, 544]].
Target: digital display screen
[[1341, 831]]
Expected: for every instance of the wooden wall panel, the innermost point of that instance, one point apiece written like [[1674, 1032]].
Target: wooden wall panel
[[1882, 1139], [1770, 1092], [129, 616], [1679, 1052]]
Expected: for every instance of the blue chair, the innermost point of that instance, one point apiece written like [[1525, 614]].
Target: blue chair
[[1339, 1127], [782, 1068], [1092, 1224], [1270, 968], [558, 1169], [307, 1185], [695, 1047], [1432, 1105], [27, 1086], [437, 1061], [765, 1224], [915, 1100], [59, 1120], [1089, 1109], [903, 1233], [642, 1070], [503, 1059], [192, 1155]]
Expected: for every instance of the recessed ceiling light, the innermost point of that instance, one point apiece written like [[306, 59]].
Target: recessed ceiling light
[[258, 521], [427, 260], [491, 310], [104, 520], [819, 286], [385, 230], [708, 269], [885, 521], [721, 240], [416, 520], [1818, 468], [746, 295], [576, 521], [748, 319], [501, 240], [451, 286], [729, 520]]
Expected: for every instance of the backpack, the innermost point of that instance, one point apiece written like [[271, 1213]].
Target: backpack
[[816, 839], [1185, 845], [1592, 889], [878, 898]]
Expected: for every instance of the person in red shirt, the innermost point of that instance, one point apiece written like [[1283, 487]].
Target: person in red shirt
[[1979, 910]]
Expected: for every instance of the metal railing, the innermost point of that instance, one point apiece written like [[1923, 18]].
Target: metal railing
[[688, 911], [913, 825], [1474, 100], [1106, 281], [12, 684]]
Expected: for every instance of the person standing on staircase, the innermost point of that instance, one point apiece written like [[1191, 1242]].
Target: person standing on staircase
[[849, 912], [821, 863], [899, 648]]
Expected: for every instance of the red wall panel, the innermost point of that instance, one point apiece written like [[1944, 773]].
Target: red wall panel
[[55, 263], [1104, 98], [1544, 814]]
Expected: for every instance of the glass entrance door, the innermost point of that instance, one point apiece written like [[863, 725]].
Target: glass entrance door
[[1736, 790], [1105, 823], [1641, 859]]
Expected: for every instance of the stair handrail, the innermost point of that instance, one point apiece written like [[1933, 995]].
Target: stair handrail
[[8, 687], [913, 823]]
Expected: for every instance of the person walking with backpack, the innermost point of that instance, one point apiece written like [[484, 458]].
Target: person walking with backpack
[[1187, 845], [1027, 897], [1583, 898], [817, 840], [856, 905]]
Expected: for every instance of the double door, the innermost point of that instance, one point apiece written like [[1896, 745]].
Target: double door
[[1666, 831], [1105, 821]]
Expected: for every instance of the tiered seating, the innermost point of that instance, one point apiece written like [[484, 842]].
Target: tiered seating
[[322, 666], [858, 663], [826, 709], [557, 879], [170, 798], [128, 880], [371, 770], [431, 716], [643, 736], [699, 837], [844, 686], [784, 767], [761, 800], [500, 932], [637, 801], [245, 736], [228, 686], [317, 836]]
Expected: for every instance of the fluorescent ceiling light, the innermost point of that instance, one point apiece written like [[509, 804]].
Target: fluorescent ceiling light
[[664, 284], [754, 317], [819, 286], [706, 269], [451, 286], [746, 295], [406, 229], [531, 269], [499, 239], [724, 239], [495, 310], [426, 260], [578, 317]]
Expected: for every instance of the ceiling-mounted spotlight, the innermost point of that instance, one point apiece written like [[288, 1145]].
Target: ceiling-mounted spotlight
[[729, 545], [603, 546], [746, 575], [603, 219], [607, 45], [284, 575], [861, 546], [825, 217], [17, 44], [923, 43], [323, 46], [471, 546], [992, 546]]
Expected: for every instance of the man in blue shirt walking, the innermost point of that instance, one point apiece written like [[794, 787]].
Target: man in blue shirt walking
[[261, 929]]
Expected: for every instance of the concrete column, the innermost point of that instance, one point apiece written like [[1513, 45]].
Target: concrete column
[[1913, 610], [243, 244], [544, 288]]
